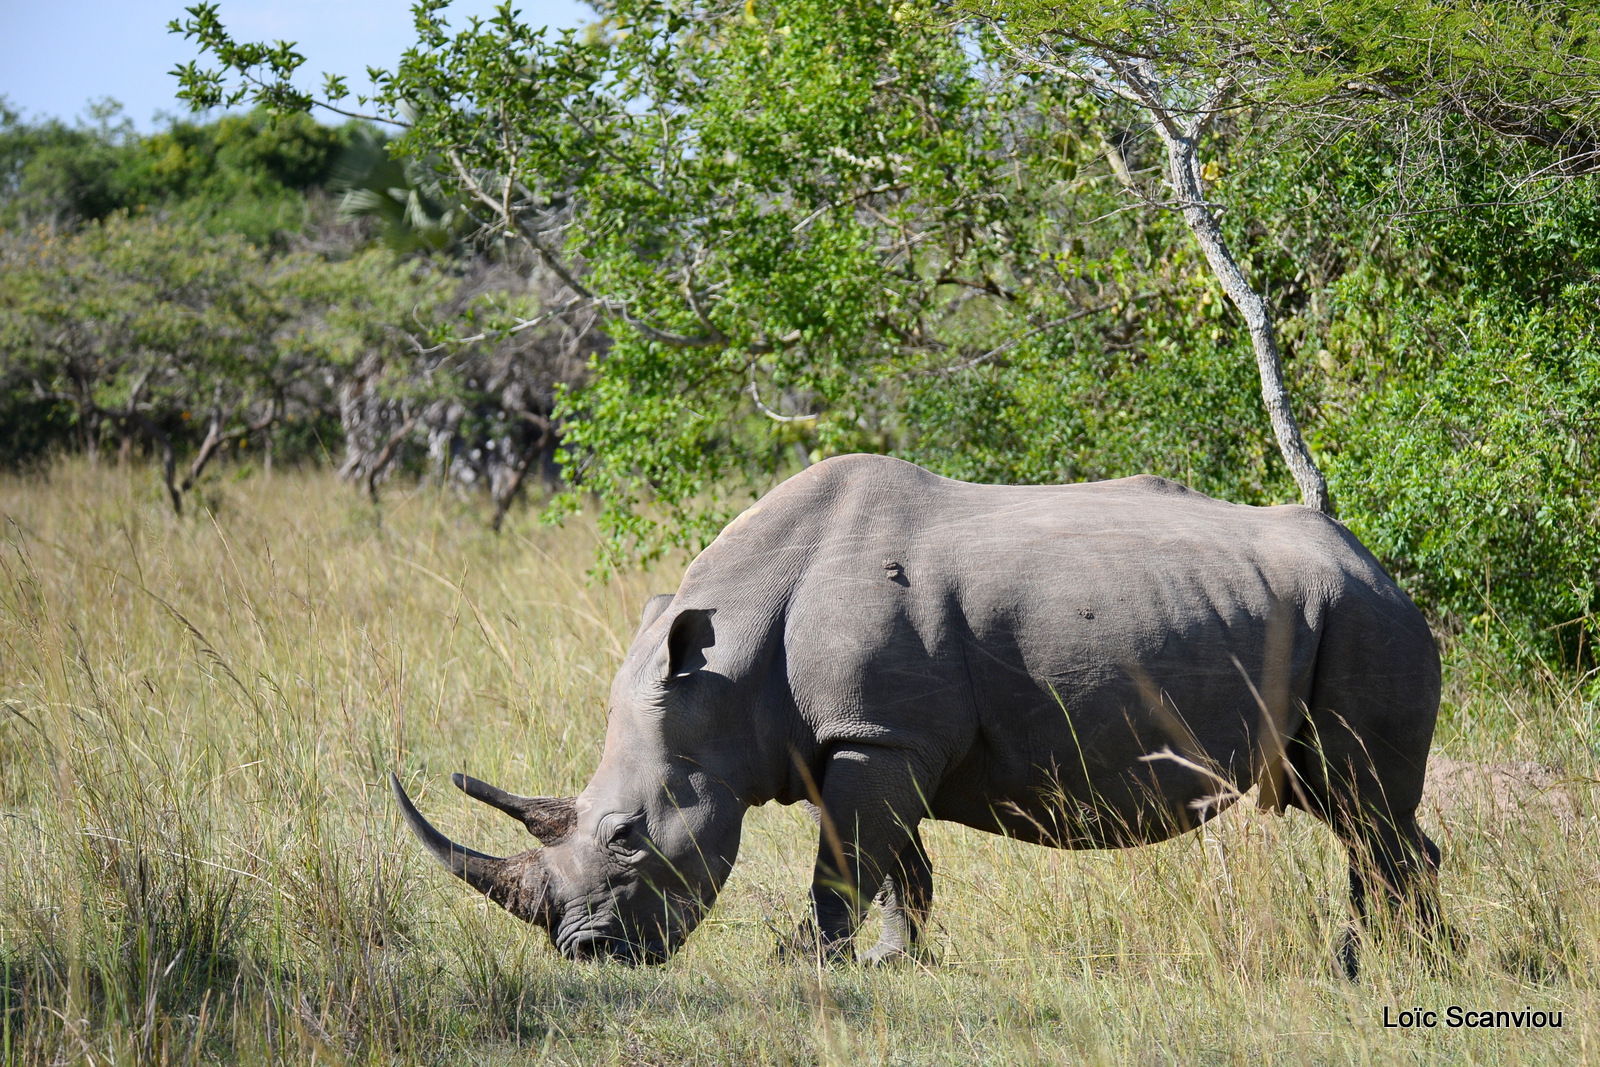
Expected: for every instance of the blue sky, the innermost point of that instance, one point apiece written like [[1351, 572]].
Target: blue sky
[[58, 55]]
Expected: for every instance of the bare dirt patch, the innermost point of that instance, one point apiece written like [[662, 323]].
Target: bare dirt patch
[[1510, 789]]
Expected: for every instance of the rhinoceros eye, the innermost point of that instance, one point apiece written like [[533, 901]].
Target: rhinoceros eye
[[623, 839]]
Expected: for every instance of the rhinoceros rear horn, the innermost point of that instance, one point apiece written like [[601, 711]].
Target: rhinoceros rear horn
[[549, 819], [519, 884]]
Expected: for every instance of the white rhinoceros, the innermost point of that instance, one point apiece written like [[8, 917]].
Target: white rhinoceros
[[1081, 666]]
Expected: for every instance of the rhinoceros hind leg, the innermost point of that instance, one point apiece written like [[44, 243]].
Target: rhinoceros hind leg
[[1359, 760], [1394, 866], [1400, 866]]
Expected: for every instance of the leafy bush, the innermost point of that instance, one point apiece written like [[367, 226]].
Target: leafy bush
[[1477, 482], [154, 331]]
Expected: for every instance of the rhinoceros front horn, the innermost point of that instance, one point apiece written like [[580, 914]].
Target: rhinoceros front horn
[[519, 884], [549, 819]]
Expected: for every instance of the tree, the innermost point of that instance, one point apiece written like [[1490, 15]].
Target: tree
[[255, 188], [481, 407], [1437, 69], [52, 174], [1523, 70], [1180, 116], [248, 174], [149, 329]]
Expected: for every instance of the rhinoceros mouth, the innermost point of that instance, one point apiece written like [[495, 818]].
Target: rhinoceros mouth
[[592, 946], [595, 938]]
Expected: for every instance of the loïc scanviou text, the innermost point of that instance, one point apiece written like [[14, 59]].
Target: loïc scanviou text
[[1458, 1017]]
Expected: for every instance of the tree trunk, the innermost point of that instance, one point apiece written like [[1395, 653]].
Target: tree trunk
[[208, 448], [168, 458], [1184, 169], [508, 492], [381, 463]]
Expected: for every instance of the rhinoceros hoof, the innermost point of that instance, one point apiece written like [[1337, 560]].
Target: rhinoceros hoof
[[881, 955]]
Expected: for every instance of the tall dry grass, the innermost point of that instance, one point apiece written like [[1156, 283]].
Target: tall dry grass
[[201, 862]]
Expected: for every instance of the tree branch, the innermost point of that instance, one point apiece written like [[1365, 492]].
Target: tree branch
[[1082, 313], [208, 448], [387, 455], [768, 412]]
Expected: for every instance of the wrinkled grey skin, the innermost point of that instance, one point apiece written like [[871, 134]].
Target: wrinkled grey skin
[[1082, 666]]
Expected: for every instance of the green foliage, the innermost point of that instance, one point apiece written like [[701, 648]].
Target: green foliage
[[1188, 411], [1465, 443], [51, 172], [156, 331], [247, 174], [401, 192], [1478, 482], [1523, 69]]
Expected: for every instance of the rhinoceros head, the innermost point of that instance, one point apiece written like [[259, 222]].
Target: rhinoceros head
[[629, 866]]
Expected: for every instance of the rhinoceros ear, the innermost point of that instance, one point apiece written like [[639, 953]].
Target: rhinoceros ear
[[653, 609], [683, 652]]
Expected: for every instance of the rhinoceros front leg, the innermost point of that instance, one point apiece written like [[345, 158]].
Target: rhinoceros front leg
[[906, 899], [871, 805]]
